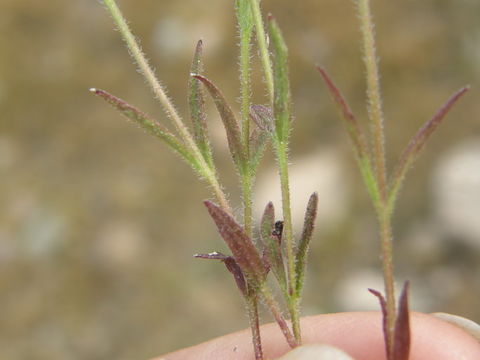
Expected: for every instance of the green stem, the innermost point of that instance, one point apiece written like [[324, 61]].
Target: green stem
[[381, 204], [262, 46], [386, 239], [252, 308], [294, 310], [373, 94], [137, 54], [282, 158], [277, 314], [247, 203], [245, 88]]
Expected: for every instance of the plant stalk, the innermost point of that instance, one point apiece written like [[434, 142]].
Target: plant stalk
[[282, 158], [274, 308], [373, 94], [252, 308], [245, 89], [386, 239], [262, 47]]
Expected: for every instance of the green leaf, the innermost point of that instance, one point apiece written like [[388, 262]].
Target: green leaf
[[303, 246], [242, 247], [272, 245], [281, 84], [151, 126], [410, 154], [196, 101], [230, 123]]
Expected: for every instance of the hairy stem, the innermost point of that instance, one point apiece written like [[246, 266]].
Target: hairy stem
[[146, 70], [282, 158], [277, 314], [245, 90], [386, 239], [262, 46], [252, 308], [377, 119], [373, 94]]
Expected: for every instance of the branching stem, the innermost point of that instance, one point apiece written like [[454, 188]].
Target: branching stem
[[137, 54]]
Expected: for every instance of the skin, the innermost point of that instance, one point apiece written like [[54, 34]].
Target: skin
[[358, 333]]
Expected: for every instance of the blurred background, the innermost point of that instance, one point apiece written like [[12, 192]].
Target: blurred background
[[98, 221]]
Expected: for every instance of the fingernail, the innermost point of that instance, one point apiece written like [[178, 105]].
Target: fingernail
[[316, 352], [468, 325]]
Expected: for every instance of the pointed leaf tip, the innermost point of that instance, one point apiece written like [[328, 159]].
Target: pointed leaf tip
[[196, 102], [401, 343], [417, 143], [230, 123], [383, 306], [303, 246], [351, 123]]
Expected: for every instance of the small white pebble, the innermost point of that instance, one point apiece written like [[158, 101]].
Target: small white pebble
[[316, 352]]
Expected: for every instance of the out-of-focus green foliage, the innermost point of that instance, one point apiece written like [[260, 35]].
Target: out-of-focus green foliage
[[93, 261]]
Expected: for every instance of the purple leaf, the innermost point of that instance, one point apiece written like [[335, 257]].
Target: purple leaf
[[243, 250], [401, 342], [383, 305], [231, 266], [417, 143], [353, 127], [229, 121]]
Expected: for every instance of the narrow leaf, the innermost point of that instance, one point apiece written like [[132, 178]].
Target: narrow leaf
[[410, 154], [353, 127], [302, 250], [281, 84], [243, 250], [383, 305], [245, 29], [151, 126], [357, 137], [229, 121], [196, 102], [401, 342], [267, 223], [272, 246], [231, 266]]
